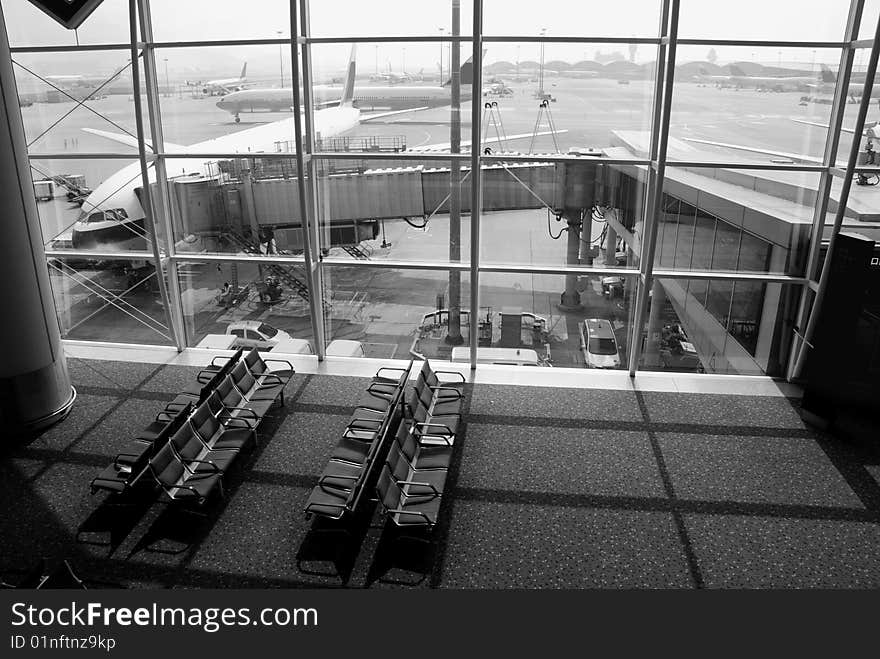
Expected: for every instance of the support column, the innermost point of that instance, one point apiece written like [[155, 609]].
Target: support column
[[578, 198], [610, 247], [654, 333], [571, 298], [35, 389]]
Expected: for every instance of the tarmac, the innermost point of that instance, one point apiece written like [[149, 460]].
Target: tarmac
[[383, 307]]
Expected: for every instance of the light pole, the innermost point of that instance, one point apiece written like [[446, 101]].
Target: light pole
[[281, 58], [167, 86], [541, 70], [441, 55]]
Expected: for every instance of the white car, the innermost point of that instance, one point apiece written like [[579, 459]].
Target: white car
[[256, 334], [599, 344]]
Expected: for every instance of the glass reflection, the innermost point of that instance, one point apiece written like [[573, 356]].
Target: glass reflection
[[715, 326], [109, 300]]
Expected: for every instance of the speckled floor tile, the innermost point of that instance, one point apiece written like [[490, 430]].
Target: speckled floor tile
[[86, 411], [721, 410], [302, 444], [259, 535], [559, 460], [116, 432], [494, 545], [334, 390], [754, 469], [766, 552], [117, 375], [545, 402]]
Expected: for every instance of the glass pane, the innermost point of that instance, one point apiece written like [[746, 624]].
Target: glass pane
[[738, 328], [243, 304], [750, 105], [851, 113], [779, 21], [235, 206], [398, 100], [560, 18], [393, 18], [737, 220], [396, 313], [532, 216], [28, 26], [90, 204], [400, 210], [590, 97], [106, 300], [870, 16], [66, 95], [206, 85], [261, 19], [556, 317]]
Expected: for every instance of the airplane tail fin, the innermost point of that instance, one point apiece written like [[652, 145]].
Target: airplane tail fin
[[735, 70], [827, 75], [466, 71], [243, 71], [348, 87]]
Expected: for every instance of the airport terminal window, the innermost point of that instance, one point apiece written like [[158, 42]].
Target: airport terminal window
[[684, 237], [747, 103]]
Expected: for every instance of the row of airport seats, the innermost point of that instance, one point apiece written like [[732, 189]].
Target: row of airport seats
[[397, 446], [195, 440], [412, 482], [350, 474]]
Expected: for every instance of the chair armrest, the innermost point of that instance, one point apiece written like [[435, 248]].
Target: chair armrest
[[186, 464], [277, 379], [348, 429], [403, 511], [442, 388], [436, 492], [181, 487], [282, 361], [445, 437], [378, 422], [338, 488], [173, 408], [456, 373], [220, 357], [391, 368], [370, 409], [256, 417], [381, 394]]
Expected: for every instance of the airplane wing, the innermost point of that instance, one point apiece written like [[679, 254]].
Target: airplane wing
[[820, 125], [370, 117], [129, 140], [776, 154], [430, 148]]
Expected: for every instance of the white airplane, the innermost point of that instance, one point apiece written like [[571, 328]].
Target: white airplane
[[221, 86], [366, 97], [738, 79], [112, 214], [854, 90]]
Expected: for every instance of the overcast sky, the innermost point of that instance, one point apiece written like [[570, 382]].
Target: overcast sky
[[175, 20]]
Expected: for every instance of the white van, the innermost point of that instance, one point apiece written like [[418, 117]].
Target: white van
[[291, 346], [501, 356], [345, 348]]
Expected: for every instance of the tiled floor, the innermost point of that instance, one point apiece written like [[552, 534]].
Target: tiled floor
[[549, 488]]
